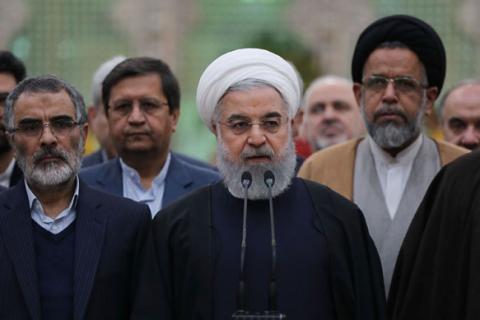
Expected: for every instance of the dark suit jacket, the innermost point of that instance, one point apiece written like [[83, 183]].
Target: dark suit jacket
[[93, 159], [97, 158], [181, 179], [17, 175], [109, 234]]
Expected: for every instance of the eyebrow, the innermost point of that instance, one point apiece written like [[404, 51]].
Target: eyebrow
[[273, 114], [31, 120]]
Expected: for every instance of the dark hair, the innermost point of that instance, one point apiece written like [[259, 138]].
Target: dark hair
[[47, 83], [140, 66], [11, 64]]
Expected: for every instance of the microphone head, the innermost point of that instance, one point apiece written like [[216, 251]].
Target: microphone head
[[269, 178], [246, 179]]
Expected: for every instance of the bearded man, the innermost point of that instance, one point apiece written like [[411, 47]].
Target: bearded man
[[398, 70], [66, 250], [260, 241]]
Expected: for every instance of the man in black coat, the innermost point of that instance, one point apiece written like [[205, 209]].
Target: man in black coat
[[66, 250], [239, 247], [436, 275]]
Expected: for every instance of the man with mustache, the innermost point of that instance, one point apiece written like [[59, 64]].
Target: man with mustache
[[12, 71], [298, 249], [141, 97], [67, 251], [330, 113], [398, 69]]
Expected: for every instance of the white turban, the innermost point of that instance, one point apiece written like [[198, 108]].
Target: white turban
[[242, 64]]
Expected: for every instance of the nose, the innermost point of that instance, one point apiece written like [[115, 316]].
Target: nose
[[136, 116], [329, 112], [47, 137], [390, 95], [470, 136], [256, 136]]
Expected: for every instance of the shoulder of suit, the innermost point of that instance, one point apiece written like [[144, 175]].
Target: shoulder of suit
[[329, 157], [449, 152], [198, 170]]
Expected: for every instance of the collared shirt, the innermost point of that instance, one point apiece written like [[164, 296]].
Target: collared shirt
[[5, 176], [133, 189], [53, 225], [394, 172], [104, 155]]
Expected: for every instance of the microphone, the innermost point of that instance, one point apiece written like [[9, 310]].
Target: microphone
[[246, 181], [271, 314], [269, 180]]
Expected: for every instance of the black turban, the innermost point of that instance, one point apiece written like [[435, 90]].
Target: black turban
[[417, 35]]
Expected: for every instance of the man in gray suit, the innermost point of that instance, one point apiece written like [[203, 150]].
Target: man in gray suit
[[141, 98]]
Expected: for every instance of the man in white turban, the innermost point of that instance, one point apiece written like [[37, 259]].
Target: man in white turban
[[260, 241]]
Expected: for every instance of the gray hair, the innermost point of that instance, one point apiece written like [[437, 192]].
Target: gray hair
[[246, 85], [45, 84], [441, 102], [100, 75]]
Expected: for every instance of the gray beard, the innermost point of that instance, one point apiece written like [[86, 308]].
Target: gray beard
[[282, 166], [391, 135], [53, 173]]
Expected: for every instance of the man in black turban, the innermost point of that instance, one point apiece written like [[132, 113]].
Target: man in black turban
[[398, 69]]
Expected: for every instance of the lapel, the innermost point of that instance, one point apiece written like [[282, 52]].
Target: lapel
[[89, 236], [110, 177], [177, 181], [17, 175], [16, 227]]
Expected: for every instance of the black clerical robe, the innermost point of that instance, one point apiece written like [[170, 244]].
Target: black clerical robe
[[437, 275], [178, 269]]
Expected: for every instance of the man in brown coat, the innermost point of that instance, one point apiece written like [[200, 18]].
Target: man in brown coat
[[398, 70]]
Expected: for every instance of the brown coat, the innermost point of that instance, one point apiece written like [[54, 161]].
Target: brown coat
[[334, 166]]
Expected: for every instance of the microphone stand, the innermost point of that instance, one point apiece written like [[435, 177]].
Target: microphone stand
[[272, 313], [246, 183]]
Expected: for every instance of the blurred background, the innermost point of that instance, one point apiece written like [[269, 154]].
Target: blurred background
[[71, 38]]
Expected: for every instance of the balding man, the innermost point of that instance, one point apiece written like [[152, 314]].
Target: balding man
[[331, 113], [459, 114], [297, 249]]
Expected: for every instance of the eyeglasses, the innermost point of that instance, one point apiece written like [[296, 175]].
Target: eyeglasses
[[402, 84], [239, 127], [124, 108], [33, 128]]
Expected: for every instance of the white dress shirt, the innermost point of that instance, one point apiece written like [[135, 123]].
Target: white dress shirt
[[133, 189], [394, 172], [62, 221]]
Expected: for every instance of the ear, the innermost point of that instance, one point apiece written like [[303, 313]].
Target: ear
[[85, 130], [214, 129], [91, 113], [431, 94], [174, 115], [11, 138], [297, 123], [357, 91]]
